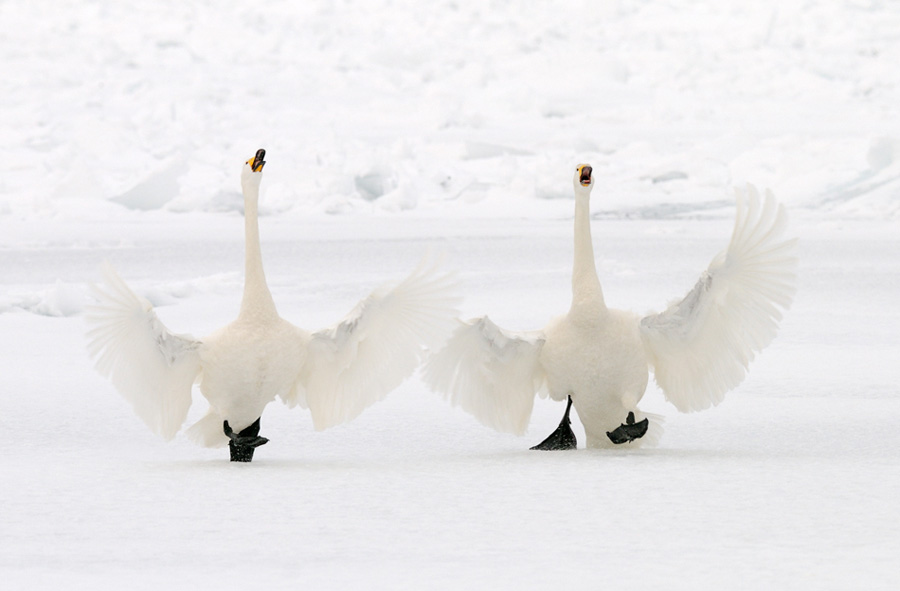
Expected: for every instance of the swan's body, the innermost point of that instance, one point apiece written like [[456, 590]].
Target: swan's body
[[609, 344], [246, 365], [699, 348], [241, 368]]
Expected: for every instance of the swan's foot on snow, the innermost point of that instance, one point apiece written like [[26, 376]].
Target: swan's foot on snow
[[629, 430], [242, 444], [563, 437]]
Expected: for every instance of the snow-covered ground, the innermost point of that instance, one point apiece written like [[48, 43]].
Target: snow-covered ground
[[393, 127]]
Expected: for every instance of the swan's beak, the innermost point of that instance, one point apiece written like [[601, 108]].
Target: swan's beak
[[256, 165], [585, 175]]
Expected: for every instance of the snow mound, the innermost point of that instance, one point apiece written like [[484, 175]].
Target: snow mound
[[61, 300], [459, 110]]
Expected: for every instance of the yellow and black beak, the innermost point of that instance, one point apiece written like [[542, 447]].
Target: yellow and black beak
[[257, 163], [584, 174]]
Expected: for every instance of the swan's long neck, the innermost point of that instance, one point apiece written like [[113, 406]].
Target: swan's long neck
[[587, 295], [257, 301]]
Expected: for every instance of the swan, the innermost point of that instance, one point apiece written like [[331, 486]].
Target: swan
[[335, 373], [599, 359]]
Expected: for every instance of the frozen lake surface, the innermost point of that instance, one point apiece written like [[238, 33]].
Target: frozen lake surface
[[790, 482]]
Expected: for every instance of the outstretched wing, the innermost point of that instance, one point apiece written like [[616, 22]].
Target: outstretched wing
[[491, 373], [379, 344], [151, 367], [701, 346]]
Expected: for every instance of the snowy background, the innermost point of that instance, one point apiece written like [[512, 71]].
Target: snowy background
[[393, 127]]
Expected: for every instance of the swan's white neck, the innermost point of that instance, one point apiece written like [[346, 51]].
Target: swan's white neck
[[587, 295], [257, 302]]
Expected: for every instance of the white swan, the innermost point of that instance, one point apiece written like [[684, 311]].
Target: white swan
[[699, 348], [335, 373]]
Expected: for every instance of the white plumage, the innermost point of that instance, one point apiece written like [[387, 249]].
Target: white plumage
[[699, 348], [152, 368], [491, 373], [336, 373], [381, 342]]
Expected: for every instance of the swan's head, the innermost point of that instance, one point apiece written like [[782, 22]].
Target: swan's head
[[584, 179], [251, 175]]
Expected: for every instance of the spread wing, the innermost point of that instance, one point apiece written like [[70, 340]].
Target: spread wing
[[701, 346], [378, 345], [491, 373], [151, 367]]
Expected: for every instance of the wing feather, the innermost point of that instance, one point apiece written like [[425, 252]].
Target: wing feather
[[378, 345], [151, 367], [701, 346], [491, 373]]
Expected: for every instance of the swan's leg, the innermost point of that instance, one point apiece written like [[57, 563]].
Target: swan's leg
[[563, 437], [629, 430], [242, 444]]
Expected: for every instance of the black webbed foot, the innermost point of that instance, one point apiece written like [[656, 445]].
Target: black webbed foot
[[242, 444], [629, 430], [563, 437]]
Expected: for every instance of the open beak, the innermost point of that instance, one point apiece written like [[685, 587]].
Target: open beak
[[585, 177], [257, 164]]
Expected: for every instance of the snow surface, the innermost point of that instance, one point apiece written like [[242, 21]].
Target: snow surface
[[393, 127]]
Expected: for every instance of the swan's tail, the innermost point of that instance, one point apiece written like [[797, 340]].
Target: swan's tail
[[654, 431], [208, 431]]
